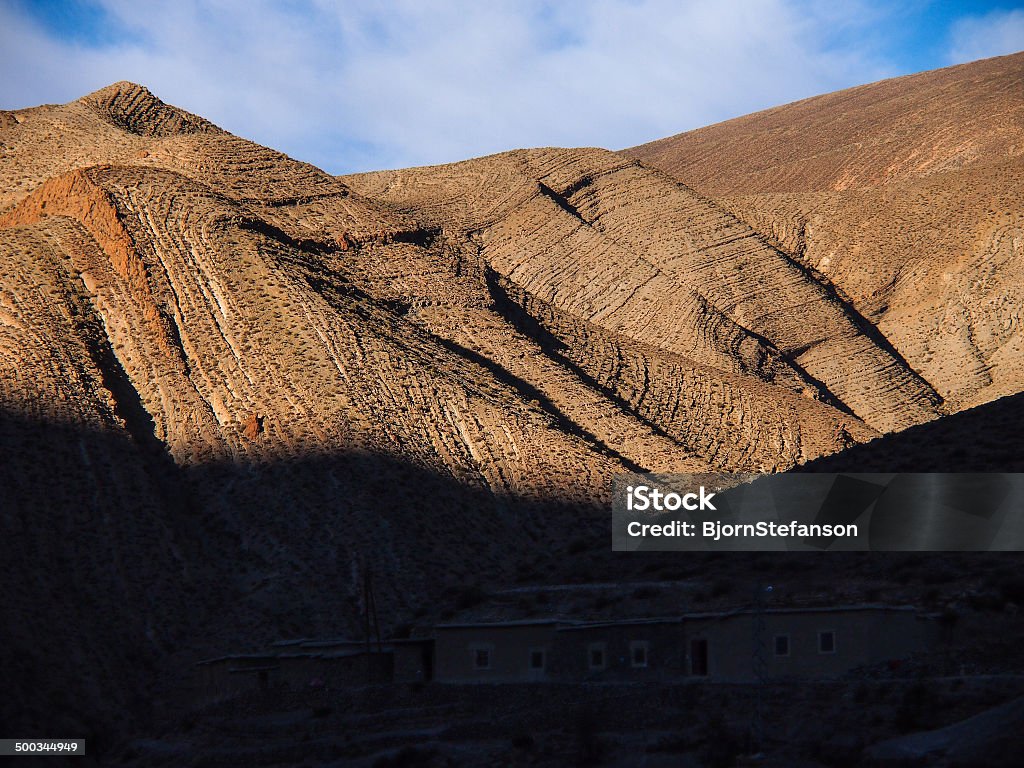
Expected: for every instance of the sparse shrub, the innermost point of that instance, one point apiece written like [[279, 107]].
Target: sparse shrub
[[1012, 589], [523, 741], [949, 618], [722, 744], [645, 593], [470, 597], [578, 546], [903, 574], [674, 744], [939, 575], [840, 752], [408, 757], [590, 747], [602, 601], [861, 692], [986, 601], [526, 575], [721, 587], [914, 703]]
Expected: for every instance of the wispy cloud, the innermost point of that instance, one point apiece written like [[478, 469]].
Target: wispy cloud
[[993, 34], [360, 85]]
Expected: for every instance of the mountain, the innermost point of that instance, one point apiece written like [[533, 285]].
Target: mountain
[[907, 127], [627, 250], [234, 389], [906, 196], [215, 430]]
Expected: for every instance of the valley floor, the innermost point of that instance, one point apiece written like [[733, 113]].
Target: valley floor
[[827, 723]]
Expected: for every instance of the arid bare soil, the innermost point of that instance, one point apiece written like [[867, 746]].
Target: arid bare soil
[[231, 384]]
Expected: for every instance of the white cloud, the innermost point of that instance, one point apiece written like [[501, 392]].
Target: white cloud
[[980, 37], [356, 85]]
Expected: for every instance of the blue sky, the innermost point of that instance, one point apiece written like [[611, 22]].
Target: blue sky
[[361, 85]]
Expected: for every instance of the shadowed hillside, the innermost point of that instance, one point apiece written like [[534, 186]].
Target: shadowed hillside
[[983, 439], [123, 568]]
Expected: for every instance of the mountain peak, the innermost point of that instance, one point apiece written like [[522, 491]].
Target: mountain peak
[[134, 108]]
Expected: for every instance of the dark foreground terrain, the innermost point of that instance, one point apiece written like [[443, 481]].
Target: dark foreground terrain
[[837, 723]]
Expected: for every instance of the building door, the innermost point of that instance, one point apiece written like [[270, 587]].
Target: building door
[[699, 657], [537, 665], [428, 662]]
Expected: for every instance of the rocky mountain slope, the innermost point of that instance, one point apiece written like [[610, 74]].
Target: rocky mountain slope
[[214, 430], [906, 196], [635, 253], [907, 127], [232, 387]]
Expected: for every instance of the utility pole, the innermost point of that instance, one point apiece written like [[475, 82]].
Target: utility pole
[[371, 626], [370, 623], [760, 668]]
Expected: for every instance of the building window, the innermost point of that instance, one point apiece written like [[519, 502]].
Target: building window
[[827, 641], [596, 656], [638, 653], [782, 645], [538, 659], [482, 658]]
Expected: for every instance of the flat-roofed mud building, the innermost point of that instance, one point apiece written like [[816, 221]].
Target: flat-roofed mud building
[[797, 643], [318, 664], [804, 643], [793, 643]]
